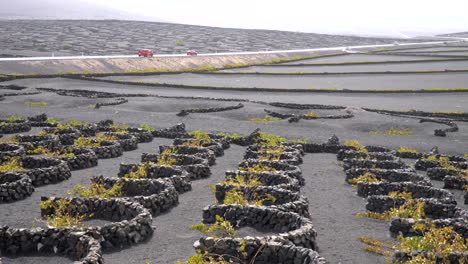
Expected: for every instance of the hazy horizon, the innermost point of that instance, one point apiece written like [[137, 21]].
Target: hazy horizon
[[361, 17]]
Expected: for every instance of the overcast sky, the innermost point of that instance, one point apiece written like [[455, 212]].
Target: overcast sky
[[334, 16]]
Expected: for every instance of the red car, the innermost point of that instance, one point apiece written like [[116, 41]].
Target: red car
[[192, 53], [145, 53]]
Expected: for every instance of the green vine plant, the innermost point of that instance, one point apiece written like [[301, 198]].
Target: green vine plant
[[12, 164], [200, 135], [267, 118], [147, 127], [435, 245], [72, 123], [103, 136], [86, 142], [275, 156], [120, 127], [242, 180], [259, 167], [230, 135], [366, 177], [354, 143], [236, 196], [139, 172], [219, 229], [394, 132], [41, 150], [97, 190], [165, 158], [412, 208], [269, 139], [403, 149], [63, 215]]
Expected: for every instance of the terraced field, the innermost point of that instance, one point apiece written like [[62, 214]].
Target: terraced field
[[292, 190]]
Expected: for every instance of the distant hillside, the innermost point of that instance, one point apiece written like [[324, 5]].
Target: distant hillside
[[92, 37], [457, 34]]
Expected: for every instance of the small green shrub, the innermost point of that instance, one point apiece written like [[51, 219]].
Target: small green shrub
[[412, 208], [221, 228], [15, 118], [86, 142], [200, 135], [275, 156], [33, 103], [366, 177], [62, 216], [103, 137], [98, 190], [13, 164], [356, 145], [259, 167], [299, 140], [407, 149], [311, 114], [52, 120], [180, 42], [147, 127], [165, 158], [269, 139], [230, 135], [139, 172], [242, 180], [236, 196], [267, 118], [394, 132]]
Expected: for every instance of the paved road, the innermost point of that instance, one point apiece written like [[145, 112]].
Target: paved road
[[345, 49]]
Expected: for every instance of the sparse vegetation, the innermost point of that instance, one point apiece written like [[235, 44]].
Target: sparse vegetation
[[63, 215], [269, 139], [41, 150], [52, 120], [299, 140], [236, 196], [86, 142], [33, 103], [435, 245], [242, 180], [179, 42], [394, 132], [275, 156], [98, 190], [14, 118], [221, 228], [354, 143], [366, 177], [259, 167], [230, 135], [403, 149], [200, 135], [147, 127], [412, 208], [165, 158], [104, 136], [311, 114], [13, 164], [139, 172], [267, 118]]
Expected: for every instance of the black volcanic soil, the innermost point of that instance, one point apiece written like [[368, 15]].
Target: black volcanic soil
[[333, 203], [94, 37]]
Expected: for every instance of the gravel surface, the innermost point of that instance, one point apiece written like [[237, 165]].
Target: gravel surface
[[350, 82], [333, 203]]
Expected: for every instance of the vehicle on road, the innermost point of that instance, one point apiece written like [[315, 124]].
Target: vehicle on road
[[192, 53], [145, 53]]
